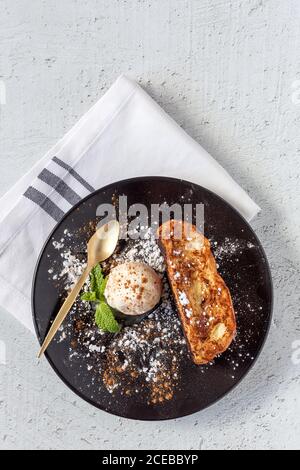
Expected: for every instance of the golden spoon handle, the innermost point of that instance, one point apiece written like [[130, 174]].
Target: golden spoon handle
[[65, 308]]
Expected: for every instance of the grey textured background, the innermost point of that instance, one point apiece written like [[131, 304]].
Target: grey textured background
[[227, 72]]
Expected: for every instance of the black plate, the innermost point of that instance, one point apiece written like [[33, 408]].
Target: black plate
[[242, 263]]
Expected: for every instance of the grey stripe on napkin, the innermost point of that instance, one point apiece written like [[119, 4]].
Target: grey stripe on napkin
[[45, 203], [74, 174], [60, 186]]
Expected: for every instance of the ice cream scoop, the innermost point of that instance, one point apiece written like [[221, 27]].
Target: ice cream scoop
[[133, 289]]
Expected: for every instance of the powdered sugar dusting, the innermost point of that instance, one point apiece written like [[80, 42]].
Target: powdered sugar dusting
[[144, 250], [230, 248]]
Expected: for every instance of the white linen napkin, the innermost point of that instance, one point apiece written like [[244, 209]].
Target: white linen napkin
[[125, 134]]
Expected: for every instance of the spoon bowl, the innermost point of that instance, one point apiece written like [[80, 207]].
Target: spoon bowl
[[103, 243]]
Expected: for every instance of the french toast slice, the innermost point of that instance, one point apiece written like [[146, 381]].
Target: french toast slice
[[202, 298]]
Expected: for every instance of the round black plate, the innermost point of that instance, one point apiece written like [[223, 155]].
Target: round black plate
[[242, 263]]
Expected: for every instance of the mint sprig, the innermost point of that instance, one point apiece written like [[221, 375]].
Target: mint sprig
[[105, 319], [104, 316]]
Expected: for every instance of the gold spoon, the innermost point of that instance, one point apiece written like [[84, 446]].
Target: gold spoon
[[100, 247]]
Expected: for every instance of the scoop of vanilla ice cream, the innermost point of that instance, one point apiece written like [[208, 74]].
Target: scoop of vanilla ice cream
[[133, 288]]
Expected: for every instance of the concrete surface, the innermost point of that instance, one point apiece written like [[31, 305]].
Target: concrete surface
[[229, 73]]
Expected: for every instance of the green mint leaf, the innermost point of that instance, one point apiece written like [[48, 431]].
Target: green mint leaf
[[89, 296], [97, 280], [102, 288], [105, 319]]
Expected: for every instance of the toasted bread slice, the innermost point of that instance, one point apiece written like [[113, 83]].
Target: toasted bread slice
[[202, 297]]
